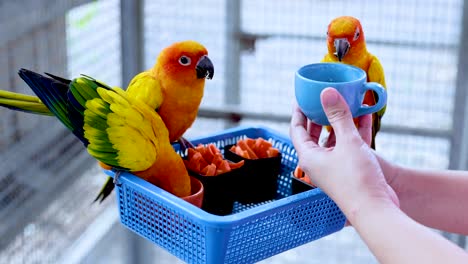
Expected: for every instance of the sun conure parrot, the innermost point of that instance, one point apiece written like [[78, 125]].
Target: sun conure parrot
[[173, 89], [346, 44], [174, 86]]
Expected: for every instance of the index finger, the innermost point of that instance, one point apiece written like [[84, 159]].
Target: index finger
[[298, 131], [365, 128]]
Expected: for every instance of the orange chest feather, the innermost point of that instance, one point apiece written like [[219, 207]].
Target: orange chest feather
[[179, 109]]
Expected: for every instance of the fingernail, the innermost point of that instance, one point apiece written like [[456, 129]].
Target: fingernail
[[329, 97]]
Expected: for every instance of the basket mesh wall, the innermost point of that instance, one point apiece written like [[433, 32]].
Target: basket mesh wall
[[162, 225], [256, 237]]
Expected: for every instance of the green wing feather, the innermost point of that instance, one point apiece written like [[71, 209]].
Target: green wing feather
[[120, 131], [23, 102]]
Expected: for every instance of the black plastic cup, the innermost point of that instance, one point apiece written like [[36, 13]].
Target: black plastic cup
[[298, 186], [218, 198], [259, 179]]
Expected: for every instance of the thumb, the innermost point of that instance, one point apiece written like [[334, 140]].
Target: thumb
[[337, 112]]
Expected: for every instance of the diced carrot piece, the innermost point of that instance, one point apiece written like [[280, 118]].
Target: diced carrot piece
[[223, 167], [245, 154], [239, 151], [245, 147], [298, 173], [261, 148], [200, 159], [201, 149], [272, 152], [214, 149], [211, 170], [258, 142], [196, 165], [306, 179], [236, 165], [207, 154], [208, 160], [204, 170], [265, 142], [249, 142], [295, 173], [190, 165], [217, 160], [190, 152], [199, 164], [197, 156]]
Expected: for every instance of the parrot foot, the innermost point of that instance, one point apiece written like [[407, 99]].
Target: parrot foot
[[116, 178], [185, 144]]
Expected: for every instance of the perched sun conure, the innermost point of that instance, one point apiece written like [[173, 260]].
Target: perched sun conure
[[173, 89], [118, 130], [346, 44], [175, 85]]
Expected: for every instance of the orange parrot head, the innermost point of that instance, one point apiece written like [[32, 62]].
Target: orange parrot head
[[345, 36], [185, 61]]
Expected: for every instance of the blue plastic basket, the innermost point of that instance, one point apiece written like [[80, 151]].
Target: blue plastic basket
[[251, 233]]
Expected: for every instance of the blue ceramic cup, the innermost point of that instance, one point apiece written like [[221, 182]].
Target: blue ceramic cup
[[349, 81]]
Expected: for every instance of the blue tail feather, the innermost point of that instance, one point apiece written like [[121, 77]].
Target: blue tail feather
[[53, 92]]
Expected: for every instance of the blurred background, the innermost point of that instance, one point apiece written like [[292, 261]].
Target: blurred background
[[48, 181]]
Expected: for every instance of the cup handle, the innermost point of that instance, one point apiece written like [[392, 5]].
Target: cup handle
[[382, 100]]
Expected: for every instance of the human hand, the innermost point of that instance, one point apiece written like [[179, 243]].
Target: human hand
[[390, 170], [348, 172]]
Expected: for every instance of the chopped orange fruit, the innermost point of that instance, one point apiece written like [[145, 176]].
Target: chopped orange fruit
[[300, 174], [208, 161], [254, 149]]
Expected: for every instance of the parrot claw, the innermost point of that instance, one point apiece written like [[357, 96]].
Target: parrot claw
[[116, 178], [185, 144]]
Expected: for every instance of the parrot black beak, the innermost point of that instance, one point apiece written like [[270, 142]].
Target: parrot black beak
[[205, 68], [341, 47]]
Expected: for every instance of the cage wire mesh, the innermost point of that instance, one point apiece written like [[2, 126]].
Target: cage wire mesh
[[416, 41], [170, 21], [93, 41], [48, 181], [418, 49]]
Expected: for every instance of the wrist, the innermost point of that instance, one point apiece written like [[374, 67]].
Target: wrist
[[394, 180], [369, 208], [391, 172]]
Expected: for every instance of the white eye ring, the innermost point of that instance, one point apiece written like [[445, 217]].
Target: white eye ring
[[184, 60], [356, 34]]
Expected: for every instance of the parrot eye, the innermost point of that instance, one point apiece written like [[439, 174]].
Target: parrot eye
[[356, 35], [184, 60]]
